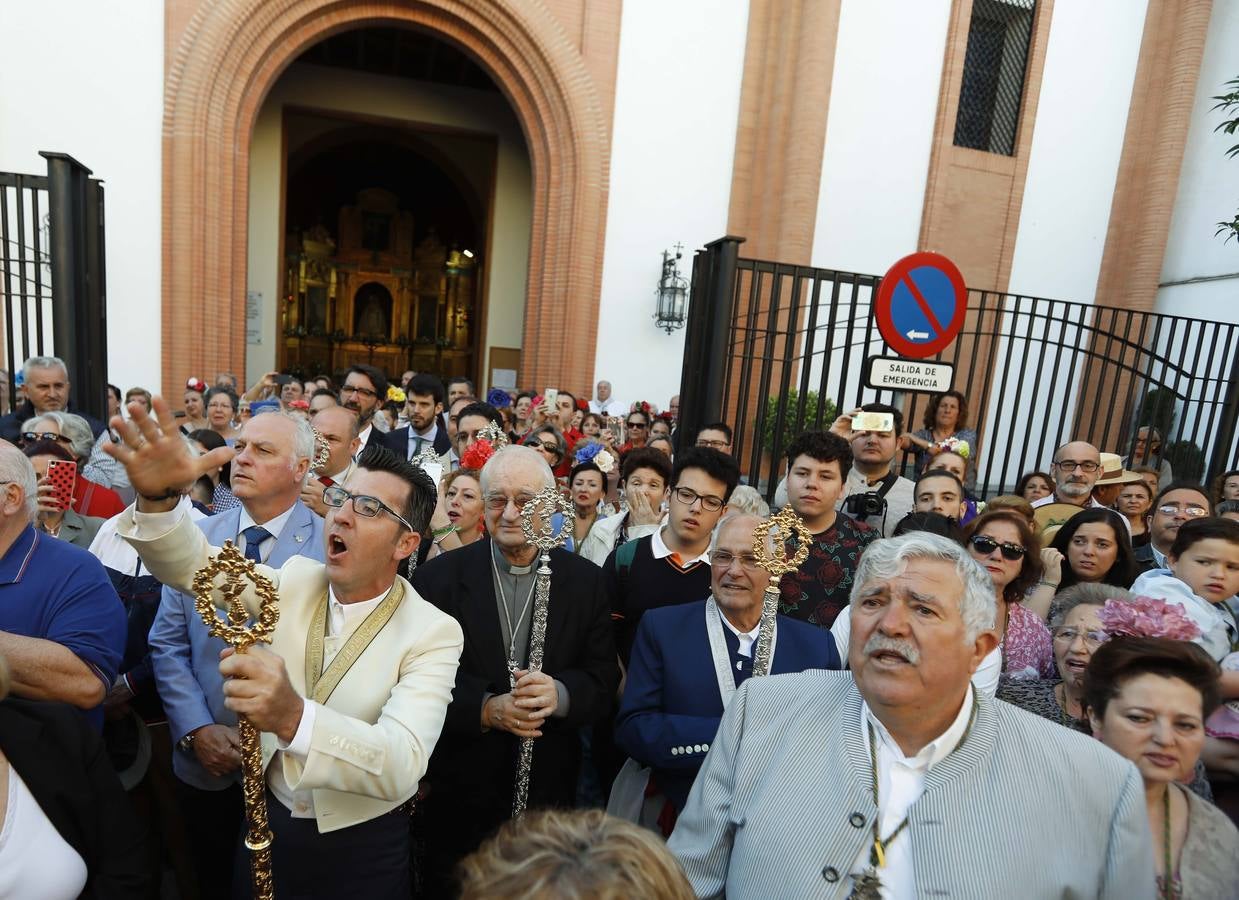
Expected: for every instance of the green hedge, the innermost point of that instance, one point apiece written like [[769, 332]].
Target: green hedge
[[811, 403]]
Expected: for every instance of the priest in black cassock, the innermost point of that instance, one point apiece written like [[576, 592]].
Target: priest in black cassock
[[488, 586]]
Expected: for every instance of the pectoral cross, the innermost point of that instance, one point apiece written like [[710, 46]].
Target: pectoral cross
[[867, 886]]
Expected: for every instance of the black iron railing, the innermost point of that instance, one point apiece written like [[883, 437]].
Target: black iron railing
[[52, 277], [775, 349]]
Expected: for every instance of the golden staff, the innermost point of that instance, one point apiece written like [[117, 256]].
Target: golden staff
[[236, 569], [786, 525], [545, 537]]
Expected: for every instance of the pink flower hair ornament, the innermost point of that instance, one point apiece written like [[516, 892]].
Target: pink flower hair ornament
[[1147, 617]]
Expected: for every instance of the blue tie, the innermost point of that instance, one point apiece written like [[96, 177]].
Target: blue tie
[[254, 536]]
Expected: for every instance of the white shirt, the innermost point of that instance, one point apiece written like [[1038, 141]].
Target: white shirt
[[662, 551], [427, 439], [275, 526], [364, 437], [35, 861], [746, 638], [342, 621], [984, 679], [901, 781], [611, 407]]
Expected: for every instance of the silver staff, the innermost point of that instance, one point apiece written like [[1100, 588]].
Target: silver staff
[[545, 536], [786, 526]]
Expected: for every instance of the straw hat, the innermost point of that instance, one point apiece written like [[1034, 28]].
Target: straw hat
[[1112, 472]]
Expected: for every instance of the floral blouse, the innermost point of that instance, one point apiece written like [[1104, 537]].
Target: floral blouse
[[1028, 649]]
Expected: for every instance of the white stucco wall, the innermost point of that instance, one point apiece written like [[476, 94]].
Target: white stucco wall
[[85, 77], [409, 101], [872, 189], [1208, 192], [677, 100]]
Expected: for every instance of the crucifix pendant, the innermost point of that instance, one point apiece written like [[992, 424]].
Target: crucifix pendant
[[512, 667], [867, 886]]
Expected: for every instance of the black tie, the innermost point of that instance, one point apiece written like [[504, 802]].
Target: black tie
[[254, 536]]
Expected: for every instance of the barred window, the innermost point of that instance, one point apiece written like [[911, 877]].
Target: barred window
[[993, 83]]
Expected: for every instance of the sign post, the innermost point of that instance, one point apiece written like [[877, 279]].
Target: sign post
[[920, 307]]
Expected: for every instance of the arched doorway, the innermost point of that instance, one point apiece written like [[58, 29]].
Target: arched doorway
[[219, 73]]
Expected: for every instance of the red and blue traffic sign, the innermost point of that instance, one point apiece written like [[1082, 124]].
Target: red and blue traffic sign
[[920, 304]]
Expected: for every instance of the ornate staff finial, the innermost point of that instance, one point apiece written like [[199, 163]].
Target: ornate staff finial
[[493, 433], [322, 453], [234, 630], [786, 525], [538, 523]]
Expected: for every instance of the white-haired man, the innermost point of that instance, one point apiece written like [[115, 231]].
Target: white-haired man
[[906, 782], [488, 587], [604, 403], [45, 387]]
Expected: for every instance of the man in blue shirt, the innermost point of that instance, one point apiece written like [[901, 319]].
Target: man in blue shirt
[[62, 628]]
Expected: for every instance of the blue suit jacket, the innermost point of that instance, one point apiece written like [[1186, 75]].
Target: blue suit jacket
[[671, 707], [186, 659]]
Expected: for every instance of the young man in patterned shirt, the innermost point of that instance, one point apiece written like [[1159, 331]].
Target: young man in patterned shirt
[[818, 463]]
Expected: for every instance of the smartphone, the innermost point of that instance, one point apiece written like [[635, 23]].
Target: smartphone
[[282, 380], [551, 396], [873, 421], [615, 426], [62, 475]]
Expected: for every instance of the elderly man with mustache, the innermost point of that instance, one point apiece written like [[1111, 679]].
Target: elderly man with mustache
[[905, 782]]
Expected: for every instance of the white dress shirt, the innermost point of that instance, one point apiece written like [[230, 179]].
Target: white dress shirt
[[342, 621], [746, 638], [275, 526], [901, 781], [364, 437], [427, 439], [661, 551]]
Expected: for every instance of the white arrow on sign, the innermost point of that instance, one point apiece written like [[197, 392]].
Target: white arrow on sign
[[918, 335]]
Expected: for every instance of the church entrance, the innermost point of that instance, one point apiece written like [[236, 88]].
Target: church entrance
[[402, 219]]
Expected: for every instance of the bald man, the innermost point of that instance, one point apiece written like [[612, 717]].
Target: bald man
[[1076, 468], [340, 428]]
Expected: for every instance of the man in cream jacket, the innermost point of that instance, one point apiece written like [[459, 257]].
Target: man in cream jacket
[[352, 694]]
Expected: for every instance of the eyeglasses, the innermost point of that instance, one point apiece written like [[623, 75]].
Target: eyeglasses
[[351, 389], [1173, 509], [987, 545], [29, 437], [635, 424], [688, 497], [363, 505], [1070, 465], [1092, 638], [723, 559], [717, 445], [499, 502]]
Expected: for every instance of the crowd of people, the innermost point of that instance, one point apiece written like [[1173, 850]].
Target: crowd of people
[[1037, 689]]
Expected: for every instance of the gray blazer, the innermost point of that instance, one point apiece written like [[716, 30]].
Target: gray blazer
[[1024, 808]]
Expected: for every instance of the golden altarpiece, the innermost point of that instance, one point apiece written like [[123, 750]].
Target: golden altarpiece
[[373, 297]]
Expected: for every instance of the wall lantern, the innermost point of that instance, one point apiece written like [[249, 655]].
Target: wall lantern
[[672, 293]]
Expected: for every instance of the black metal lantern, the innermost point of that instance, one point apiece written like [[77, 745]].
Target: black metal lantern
[[672, 293]]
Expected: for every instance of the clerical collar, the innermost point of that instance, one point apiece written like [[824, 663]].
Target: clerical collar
[[502, 563]]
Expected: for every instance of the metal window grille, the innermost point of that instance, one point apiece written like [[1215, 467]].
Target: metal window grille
[[993, 83]]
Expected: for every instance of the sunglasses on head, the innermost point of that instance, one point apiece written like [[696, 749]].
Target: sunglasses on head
[[987, 545]]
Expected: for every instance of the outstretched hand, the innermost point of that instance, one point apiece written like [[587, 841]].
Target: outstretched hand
[[159, 464]]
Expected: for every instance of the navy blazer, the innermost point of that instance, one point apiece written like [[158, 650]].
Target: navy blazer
[[671, 707], [186, 659], [398, 440]]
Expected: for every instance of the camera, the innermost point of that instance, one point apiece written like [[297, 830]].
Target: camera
[[861, 506]]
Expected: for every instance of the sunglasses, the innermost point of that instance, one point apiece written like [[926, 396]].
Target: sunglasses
[[636, 424], [29, 437], [987, 545]]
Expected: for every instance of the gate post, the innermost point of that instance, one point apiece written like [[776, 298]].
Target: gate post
[[1219, 456], [79, 325], [710, 314]]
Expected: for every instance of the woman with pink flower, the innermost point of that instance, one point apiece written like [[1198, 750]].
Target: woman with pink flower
[[1147, 699]]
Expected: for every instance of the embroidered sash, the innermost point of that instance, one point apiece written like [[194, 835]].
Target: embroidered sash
[[718, 651], [320, 684]]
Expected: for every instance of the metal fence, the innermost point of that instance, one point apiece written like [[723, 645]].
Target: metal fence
[[775, 349], [52, 278]]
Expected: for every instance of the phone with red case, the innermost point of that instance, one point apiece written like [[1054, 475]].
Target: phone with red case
[[62, 475]]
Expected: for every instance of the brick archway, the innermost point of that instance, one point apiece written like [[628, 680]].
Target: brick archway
[[230, 55]]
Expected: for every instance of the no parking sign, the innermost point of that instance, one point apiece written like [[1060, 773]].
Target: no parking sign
[[920, 304]]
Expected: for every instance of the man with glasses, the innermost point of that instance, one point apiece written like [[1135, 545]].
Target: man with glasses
[[1146, 450], [1179, 502], [488, 586], [351, 696], [1076, 468], [676, 689], [716, 436], [270, 525], [364, 391], [672, 565]]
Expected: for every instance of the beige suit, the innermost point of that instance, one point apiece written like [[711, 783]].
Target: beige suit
[[373, 739]]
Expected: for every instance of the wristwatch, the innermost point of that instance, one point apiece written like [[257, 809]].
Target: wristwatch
[[187, 743]]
